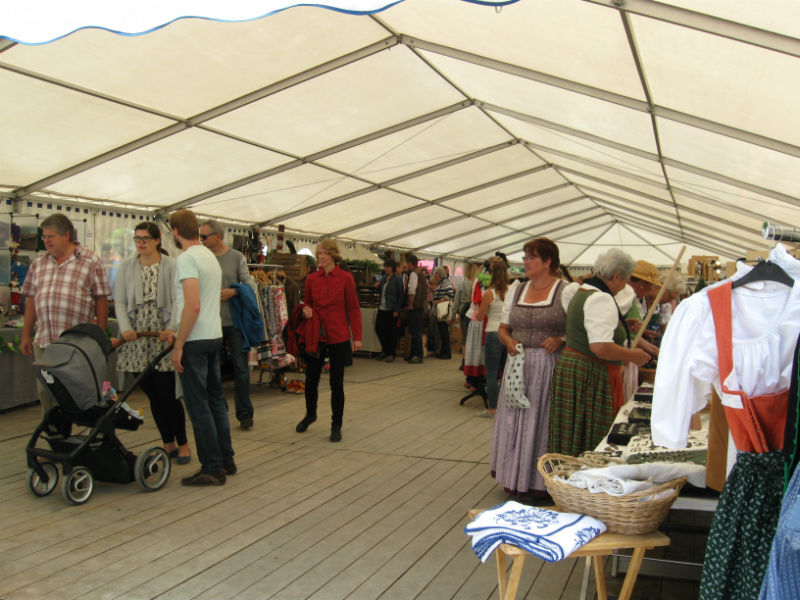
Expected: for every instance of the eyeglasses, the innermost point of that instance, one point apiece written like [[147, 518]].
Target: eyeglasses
[[142, 239], [527, 258]]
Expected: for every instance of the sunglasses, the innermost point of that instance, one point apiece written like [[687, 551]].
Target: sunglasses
[[205, 236], [142, 239]]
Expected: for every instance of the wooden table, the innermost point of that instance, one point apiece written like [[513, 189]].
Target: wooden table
[[603, 545]]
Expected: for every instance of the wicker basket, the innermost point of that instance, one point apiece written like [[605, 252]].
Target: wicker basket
[[630, 514]]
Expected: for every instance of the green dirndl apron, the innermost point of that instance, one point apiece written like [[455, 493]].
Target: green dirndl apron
[[738, 546]]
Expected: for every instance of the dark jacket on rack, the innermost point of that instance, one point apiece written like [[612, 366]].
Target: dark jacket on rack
[[245, 315], [302, 333]]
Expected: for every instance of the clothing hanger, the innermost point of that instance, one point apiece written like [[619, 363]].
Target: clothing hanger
[[765, 271]]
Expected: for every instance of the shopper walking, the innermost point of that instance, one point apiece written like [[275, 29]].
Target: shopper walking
[[330, 297], [443, 292]]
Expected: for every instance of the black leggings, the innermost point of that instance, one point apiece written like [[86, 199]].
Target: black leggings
[[338, 354], [159, 386]]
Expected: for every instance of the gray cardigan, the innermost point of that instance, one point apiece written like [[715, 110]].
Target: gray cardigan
[[129, 292]]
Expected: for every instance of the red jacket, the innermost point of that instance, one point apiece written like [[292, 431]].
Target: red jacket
[[333, 299], [303, 334]]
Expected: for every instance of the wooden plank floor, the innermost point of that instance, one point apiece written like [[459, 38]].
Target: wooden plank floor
[[379, 515]]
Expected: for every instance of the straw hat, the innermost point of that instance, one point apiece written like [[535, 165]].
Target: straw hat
[[646, 272]]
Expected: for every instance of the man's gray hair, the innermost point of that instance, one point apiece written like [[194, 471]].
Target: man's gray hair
[[215, 227], [674, 283], [61, 224], [612, 262], [440, 272]]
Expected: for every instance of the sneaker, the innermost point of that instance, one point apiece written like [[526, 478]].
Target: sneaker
[[201, 478], [389, 358], [485, 414], [246, 422], [414, 360], [336, 433], [230, 468], [303, 425]]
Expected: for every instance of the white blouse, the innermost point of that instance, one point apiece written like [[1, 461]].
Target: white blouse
[[766, 322]]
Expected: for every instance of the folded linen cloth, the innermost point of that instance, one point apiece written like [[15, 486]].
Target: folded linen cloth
[[659, 472], [550, 535], [597, 483], [621, 479]]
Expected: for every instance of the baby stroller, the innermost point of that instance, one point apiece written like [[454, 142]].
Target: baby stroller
[[72, 369]]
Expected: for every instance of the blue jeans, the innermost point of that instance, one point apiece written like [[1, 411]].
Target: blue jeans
[[205, 403], [415, 331], [495, 357], [241, 372]]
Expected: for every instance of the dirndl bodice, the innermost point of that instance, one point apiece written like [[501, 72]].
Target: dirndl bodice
[[532, 325]]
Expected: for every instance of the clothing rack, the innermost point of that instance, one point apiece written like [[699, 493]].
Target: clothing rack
[[778, 233]]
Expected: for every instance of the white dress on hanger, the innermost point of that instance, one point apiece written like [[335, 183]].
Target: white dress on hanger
[[766, 323]]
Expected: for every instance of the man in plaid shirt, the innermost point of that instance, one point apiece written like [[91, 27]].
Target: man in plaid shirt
[[65, 286]]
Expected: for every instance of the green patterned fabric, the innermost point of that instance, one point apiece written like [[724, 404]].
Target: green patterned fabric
[[581, 405], [737, 550]]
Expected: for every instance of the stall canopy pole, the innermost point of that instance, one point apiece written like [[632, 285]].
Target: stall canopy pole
[[656, 301]]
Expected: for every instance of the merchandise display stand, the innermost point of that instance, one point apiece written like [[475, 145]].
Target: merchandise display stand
[[594, 551]]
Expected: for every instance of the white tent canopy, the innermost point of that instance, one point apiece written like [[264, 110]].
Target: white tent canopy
[[443, 126]]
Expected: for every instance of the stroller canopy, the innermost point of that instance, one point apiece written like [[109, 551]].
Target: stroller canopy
[[78, 362]]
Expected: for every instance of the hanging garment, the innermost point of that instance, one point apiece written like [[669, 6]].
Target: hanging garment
[[744, 524], [782, 581], [791, 435]]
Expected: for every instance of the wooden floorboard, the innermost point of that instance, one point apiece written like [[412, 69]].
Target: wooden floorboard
[[379, 515]]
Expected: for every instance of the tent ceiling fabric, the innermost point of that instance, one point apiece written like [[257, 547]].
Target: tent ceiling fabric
[[442, 126]]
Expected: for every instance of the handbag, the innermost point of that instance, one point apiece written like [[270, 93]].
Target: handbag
[[443, 310]]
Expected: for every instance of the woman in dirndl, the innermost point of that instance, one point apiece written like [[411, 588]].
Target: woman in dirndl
[[587, 386], [535, 317]]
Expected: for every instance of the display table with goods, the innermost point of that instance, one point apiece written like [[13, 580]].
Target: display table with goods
[[629, 443]]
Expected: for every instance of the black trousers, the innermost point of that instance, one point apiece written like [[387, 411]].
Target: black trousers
[[386, 329], [338, 355], [444, 338], [159, 386]]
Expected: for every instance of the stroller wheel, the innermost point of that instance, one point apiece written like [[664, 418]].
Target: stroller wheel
[[37, 486], [152, 468], [78, 485]]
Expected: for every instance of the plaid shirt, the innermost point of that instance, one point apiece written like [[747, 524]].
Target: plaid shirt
[[64, 294]]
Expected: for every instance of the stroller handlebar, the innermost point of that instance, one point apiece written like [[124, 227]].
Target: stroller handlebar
[[117, 342]]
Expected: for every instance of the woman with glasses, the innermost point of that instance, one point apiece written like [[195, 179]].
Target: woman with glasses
[[143, 295], [533, 319]]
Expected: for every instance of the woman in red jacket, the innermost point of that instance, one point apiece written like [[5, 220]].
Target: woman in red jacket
[[330, 296]]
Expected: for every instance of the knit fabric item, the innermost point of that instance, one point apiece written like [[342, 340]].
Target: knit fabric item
[[514, 380]]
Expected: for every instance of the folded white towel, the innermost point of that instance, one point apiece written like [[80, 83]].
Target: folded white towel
[[658, 472], [616, 486], [547, 534]]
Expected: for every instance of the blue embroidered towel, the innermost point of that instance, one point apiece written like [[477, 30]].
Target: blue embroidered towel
[[548, 534]]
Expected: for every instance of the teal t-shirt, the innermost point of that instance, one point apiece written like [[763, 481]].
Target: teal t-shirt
[[198, 262]]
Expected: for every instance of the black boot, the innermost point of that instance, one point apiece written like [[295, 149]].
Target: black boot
[[303, 425], [336, 433]]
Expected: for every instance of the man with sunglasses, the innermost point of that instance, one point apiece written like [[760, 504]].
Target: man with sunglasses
[[234, 270]]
